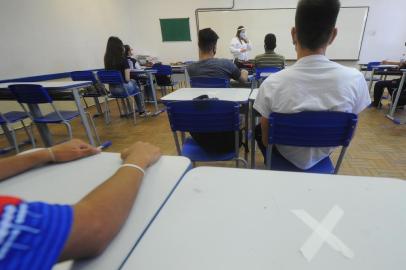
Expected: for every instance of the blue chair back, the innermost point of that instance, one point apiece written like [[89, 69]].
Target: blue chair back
[[312, 129], [371, 65], [163, 69], [206, 82], [30, 93], [110, 77], [83, 76], [259, 71], [204, 116]]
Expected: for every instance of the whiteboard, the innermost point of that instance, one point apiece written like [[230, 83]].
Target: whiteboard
[[259, 22]]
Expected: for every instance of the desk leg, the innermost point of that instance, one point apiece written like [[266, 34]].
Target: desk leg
[[252, 111], [371, 80], [83, 117], [42, 128], [153, 90], [391, 114], [247, 115], [187, 80], [98, 107]]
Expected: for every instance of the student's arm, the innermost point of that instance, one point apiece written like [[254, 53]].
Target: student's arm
[[127, 75], [99, 216], [264, 129], [235, 47], [68, 151], [244, 76], [385, 62]]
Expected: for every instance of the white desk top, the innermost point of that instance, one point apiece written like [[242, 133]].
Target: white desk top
[[220, 218], [240, 95], [69, 182], [254, 94], [52, 84], [144, 71], [386, 66]]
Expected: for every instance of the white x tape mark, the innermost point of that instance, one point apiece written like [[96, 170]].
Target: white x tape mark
[[322, 233]]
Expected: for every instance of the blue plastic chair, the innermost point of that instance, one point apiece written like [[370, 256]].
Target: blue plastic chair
[[204, 116], [164, 77], [259, 71], [36, 94], [95, 91], [206, 82], [114, 79], [9, 119], [310, 129]]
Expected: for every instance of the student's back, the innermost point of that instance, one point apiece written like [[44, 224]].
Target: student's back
[[214, 68]]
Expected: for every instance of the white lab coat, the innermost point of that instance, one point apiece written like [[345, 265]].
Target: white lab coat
[[236, 46]]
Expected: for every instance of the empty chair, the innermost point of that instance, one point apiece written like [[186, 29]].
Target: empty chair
[[206, 82], [204, 116], [116, 82], [309, 129], [164, 77], [94, 91], [9, 119], [36, 94]]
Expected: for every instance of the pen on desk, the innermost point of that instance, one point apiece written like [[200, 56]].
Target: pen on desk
[[104, 145]]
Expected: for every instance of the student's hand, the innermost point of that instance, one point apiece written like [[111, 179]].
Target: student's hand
[[141, 154], [243, 50], [73, 149]]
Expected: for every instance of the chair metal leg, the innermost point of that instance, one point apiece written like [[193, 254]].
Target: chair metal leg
[[93, 127], [237, 148], [340, 160], [29, 133], [107, 119], [175, 137], [14, 138], [268, 156], [69, 129], [119, 108], [133, 109]]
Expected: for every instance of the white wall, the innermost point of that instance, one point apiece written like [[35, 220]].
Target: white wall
[[384, 36], [50, 36]]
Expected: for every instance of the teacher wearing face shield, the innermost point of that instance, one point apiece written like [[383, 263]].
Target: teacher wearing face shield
[[240, 46]]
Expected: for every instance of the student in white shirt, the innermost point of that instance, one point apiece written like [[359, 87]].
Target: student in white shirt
[[313, 83], [240, 45]]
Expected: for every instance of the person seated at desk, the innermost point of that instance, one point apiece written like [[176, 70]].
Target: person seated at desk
[[211, 67], [270, 58], [391, 85], [313, 83], [114, 59], [132, 62], [36, 235]]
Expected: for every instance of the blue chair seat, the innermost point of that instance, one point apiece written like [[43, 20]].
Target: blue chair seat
[[196, 153], [54, 117], [13, 116], [279, 163]]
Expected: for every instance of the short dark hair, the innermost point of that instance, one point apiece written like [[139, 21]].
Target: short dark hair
[[127, 50], [207, 40], [315, 21], [270, 42]]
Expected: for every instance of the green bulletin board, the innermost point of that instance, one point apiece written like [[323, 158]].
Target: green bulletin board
[[175, 29]]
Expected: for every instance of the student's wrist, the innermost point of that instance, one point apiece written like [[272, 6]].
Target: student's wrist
[[43, 156]]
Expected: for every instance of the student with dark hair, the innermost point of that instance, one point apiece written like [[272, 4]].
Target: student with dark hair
[[128, 52], [36, 235], [115, 59], [313, 83], [211, 67], [240, 45], [270, 58]]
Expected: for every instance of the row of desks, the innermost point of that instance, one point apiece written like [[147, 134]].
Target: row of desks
[[223, 218]]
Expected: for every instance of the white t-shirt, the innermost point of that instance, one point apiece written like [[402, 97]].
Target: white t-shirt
[[236, 46], [313, 83]]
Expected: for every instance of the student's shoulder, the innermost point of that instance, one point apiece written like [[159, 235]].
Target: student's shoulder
[[348, 72]]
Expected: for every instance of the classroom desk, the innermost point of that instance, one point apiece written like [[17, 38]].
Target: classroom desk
[[239, 95], [181, 69], [383, 71], [395, 101], [56, 86], [149, 73], [67, 183], [224, 218]]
